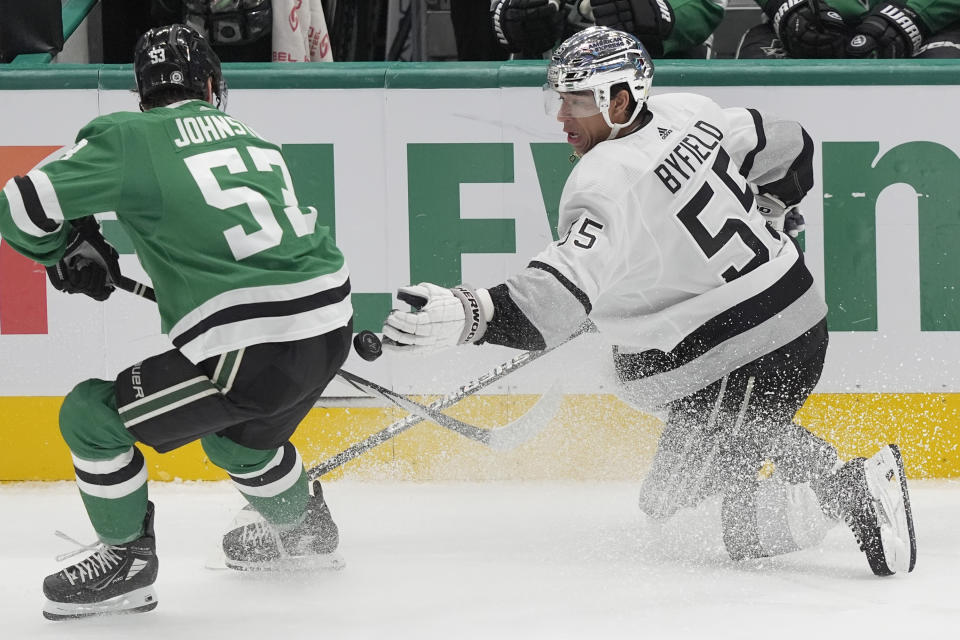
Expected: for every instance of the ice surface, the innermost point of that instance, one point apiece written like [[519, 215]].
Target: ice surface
[[490, 560]]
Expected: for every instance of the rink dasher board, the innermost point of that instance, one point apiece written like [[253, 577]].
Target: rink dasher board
[[894, 326]]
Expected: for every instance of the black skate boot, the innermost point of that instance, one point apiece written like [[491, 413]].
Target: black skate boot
[[113, 579], [261, 546], [871, 497]]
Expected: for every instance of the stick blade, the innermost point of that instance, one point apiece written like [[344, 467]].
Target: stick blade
[[526, 427]]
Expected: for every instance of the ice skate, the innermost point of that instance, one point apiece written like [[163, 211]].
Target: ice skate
[[872, 498], [261, 546], [114, 579]]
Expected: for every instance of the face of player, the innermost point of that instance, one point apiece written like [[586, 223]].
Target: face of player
[[583, 134], [583, 121]]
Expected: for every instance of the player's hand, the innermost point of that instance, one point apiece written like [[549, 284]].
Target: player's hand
[[90, 265], [887, 31], [781, 217], [529, 27], [808, 28], [649, 20], [441, 317], [793, 222]]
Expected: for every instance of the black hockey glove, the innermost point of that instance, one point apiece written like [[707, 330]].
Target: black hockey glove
[[782, 217], [650, 20], [90, 265], [528, 27], [808, 28], [888, 31]]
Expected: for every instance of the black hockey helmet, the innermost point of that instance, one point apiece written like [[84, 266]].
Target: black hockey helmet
[[177, 56]]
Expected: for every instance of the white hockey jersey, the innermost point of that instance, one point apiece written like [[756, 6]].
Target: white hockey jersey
[[662, 246]]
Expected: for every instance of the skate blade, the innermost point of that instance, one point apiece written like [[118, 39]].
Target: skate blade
[[319, 562], [139, 601], [888, 484]]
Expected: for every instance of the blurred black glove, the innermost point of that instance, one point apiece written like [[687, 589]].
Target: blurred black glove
[[887, 31], [808, 28], [529, 27], [650, 20], [90, 265]]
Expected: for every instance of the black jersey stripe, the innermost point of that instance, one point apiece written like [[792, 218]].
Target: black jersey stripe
[[792, 187], [273, 474], [738, 319], [572, 288], [31, 202], [116, 477], [747, 165], [241, 312], [510, 326]]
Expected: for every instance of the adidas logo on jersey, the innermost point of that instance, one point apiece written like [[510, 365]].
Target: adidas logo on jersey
[[664, 133]]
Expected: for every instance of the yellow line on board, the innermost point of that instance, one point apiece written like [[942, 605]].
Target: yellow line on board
[[593, 437]]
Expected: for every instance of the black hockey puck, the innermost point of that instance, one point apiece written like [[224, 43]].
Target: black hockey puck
[[367, 345]]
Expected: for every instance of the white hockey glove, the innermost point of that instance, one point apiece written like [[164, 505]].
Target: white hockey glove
[[441, 317], [789, 220]]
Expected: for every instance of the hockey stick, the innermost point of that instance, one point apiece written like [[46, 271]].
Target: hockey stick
[[467, 389], [136, 288], [506, 437], [502, 438]]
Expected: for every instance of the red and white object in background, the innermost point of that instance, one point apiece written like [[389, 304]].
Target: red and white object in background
[[300, 32]]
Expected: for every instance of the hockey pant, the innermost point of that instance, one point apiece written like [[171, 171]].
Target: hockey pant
[[242, 406], [717, 440]]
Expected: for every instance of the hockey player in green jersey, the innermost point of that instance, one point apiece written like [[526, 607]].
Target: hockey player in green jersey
[[254, 295], [855, 29]]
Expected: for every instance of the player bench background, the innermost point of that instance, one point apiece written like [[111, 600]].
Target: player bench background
[[452, 172]]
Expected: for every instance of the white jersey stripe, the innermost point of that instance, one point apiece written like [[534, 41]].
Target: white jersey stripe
[[254, 295], [18, 211], [163, 392], [657, 390], [236, 335], [170, 407]]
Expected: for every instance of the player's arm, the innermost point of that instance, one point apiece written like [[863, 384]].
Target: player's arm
[[776, 158], [695, 20], [774, 154], [86, 180], [935, 14], [46, 215], [536, 308]]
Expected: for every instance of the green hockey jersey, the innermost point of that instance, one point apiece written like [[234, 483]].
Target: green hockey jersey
[[210, 208]]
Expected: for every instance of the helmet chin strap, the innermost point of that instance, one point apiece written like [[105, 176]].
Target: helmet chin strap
[[616, 127]]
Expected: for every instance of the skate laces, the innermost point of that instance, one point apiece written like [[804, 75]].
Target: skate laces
[[103, 559], [258, 533]]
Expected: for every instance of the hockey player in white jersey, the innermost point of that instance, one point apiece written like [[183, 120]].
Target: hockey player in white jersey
[[672, 242]]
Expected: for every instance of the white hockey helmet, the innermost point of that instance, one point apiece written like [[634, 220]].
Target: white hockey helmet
[[595, 60]]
